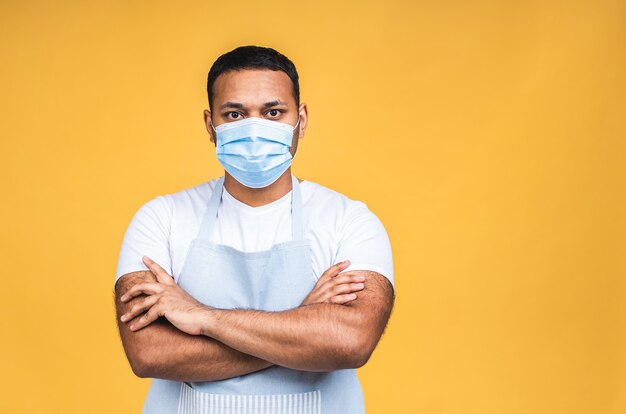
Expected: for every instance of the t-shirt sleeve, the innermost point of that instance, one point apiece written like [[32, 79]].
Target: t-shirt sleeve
[[147, 235], [364, 241]]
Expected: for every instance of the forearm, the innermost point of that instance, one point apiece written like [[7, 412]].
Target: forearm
[[162, 351], [318, 337]]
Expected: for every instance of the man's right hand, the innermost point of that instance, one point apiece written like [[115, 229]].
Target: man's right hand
[[333, 287]]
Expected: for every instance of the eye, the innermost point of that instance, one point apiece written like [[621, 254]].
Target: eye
[[273, 113], [233, 115]]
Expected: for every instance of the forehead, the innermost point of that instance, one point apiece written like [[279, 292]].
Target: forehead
[[252, 87]]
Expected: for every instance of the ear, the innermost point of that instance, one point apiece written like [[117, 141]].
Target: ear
[[207, 124], [303, 113]]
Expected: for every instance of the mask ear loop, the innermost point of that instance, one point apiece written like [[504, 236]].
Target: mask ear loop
[[294, 128], [212, 127], [214, 131], [298, 123]]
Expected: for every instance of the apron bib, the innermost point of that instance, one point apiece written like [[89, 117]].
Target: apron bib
[[274, 280]]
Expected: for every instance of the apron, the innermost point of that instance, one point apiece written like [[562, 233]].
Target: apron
[[274, 280]]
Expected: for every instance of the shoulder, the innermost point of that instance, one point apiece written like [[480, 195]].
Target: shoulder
[[319, 199], [195, 197], [318, 196], [357, 233], [163, 208]]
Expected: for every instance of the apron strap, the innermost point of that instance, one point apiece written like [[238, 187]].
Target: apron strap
[[210, 215], [297, 225]]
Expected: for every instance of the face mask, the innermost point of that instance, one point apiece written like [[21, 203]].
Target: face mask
[[255, 151]]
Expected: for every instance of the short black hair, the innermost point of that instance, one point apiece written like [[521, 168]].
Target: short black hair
[[253, 57]]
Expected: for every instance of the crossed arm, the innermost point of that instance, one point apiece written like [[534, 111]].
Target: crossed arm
[[228, 343], [163, 351], [317, 337]]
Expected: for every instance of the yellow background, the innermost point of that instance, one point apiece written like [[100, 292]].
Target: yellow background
[[487, 136]]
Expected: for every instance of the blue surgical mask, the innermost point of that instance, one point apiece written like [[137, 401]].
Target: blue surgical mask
[[255, 151]]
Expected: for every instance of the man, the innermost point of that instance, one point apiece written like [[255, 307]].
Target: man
[[256, 292]]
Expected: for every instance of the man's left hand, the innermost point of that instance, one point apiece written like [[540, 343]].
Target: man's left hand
[[164, 298]]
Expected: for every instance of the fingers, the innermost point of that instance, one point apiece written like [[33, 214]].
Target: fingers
[[342, 299], [345, 288], [348, 278], [147, 318], [339, 289], [334, 270], [139, 307], [138, 289], [344, 284], [160, 273]]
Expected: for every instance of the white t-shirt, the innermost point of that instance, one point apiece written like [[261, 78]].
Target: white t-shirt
[[337, 227]]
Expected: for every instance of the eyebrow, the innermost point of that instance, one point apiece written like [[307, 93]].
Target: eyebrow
[[232, 105], [241, 106], [274, 103]]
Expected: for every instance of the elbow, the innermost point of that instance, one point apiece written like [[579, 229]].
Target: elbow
[[359, 350], [140, 360], [361, 356], [140, 371], [361, 360], [140, 366]]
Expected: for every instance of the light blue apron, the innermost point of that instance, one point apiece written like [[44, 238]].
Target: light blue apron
[[273, 280]]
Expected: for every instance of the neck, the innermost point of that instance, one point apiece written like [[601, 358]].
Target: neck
[[256, 197]]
